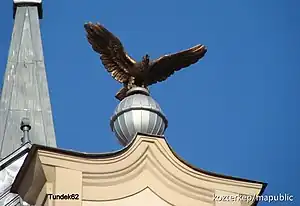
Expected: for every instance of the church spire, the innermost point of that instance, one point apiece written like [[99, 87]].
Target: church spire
[[25, 88]]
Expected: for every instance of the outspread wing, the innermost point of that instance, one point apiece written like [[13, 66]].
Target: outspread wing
[[112, 53], [165, 66]]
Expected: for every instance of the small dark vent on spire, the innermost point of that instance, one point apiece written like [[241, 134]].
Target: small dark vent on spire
[[25, 127]]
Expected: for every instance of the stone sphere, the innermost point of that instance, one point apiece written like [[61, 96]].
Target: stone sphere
[[137, 112]]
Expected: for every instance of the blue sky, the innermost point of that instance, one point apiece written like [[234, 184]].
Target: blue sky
[[236, 112]]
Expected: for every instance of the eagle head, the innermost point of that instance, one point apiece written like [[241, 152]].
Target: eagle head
[[146, 59], [145, 62]]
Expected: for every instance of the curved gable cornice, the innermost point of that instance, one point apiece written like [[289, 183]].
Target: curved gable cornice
[[147, 162]]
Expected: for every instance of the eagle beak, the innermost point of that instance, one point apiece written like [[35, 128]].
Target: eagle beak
[[87, 25]]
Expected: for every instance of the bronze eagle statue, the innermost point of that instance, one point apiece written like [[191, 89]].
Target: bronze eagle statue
[[126, 70]]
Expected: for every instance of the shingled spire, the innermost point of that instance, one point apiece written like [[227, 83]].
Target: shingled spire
[[25, 88]]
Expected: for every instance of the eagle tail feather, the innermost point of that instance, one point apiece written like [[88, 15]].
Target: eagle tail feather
[[121, 93]]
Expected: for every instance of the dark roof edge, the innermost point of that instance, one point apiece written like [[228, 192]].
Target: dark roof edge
[[212, 173], [264, 185]]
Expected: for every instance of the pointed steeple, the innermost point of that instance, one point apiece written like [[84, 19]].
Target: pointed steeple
[[25, 89]]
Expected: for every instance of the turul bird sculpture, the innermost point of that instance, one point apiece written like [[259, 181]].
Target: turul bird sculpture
[[126, 70]]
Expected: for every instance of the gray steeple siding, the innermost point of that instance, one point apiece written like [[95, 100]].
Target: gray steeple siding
[[25, 89]]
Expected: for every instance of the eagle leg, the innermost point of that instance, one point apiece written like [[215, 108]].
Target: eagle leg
[[127, 86]]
